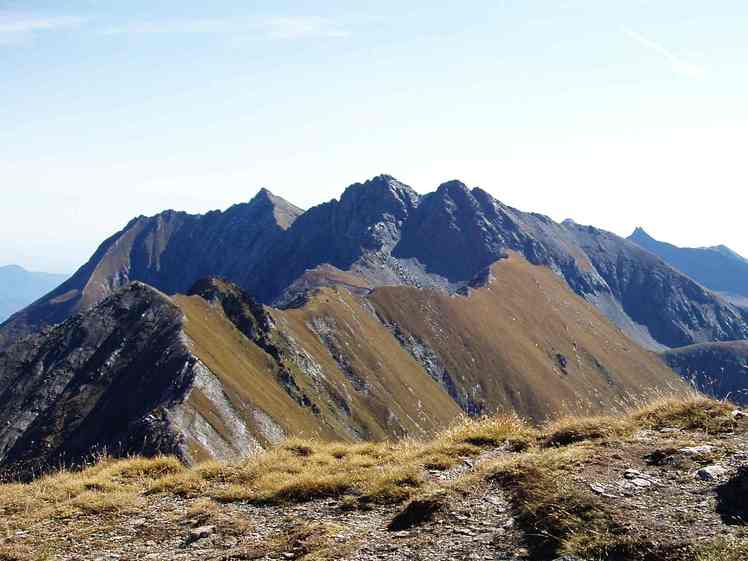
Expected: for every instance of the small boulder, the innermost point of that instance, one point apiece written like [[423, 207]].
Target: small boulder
[[632, 474], [711, 473], [641, 482], [696, 450], [200, 533]]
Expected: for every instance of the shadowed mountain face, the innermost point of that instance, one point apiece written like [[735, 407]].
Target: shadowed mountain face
[[214, 374], [717, 268], [19, 288], [382, 233], [719, 369], [169, 251]]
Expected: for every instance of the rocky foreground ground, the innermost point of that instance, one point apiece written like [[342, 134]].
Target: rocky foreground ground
[[667, 482]]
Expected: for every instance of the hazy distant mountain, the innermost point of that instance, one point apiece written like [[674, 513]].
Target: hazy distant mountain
[[19, 288], [718, 268], [382, 233]]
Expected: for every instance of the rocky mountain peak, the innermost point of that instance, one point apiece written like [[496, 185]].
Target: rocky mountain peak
[[640, 234], [454, 188], [266, 197], [209, 288], [283, 212], [381, 232], [382, 194]]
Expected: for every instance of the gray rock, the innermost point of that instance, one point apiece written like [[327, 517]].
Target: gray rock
[[696, 450], [641, 482], [633, 474], [201, 532], [711, 473]]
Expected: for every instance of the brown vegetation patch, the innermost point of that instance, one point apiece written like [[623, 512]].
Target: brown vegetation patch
[[694, 412]]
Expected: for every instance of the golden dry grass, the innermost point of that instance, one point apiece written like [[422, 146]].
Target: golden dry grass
[[694, 412], [511, 333], [360, 474], [572, 429], [295, 471], [556, 516]]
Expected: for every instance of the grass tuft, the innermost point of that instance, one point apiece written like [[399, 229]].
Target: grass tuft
[[692, 413], [574, 429], [555, 516]]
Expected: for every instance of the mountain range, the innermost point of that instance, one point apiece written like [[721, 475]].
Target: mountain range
[[383, 314], [19, 288], [718, 268], [382, 233]]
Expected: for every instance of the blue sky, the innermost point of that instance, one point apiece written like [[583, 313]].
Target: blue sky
[[612, 113]]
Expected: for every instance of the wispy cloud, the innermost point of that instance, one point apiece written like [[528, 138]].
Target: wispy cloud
[[677, 63], [18, 27], [300, 27], [291, 27]]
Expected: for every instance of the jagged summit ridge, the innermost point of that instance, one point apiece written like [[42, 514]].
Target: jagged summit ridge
[[640, 233], [380, 233]]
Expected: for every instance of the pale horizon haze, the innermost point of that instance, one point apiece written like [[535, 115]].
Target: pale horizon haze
[[616, 114]]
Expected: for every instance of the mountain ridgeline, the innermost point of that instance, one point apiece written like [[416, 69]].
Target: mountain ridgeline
[[382, 233], [212, 374], [717, 268]]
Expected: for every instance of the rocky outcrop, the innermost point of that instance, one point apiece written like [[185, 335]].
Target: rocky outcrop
[[130, 377], [102, 381]]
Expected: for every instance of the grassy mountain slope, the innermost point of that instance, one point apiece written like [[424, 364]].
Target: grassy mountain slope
[[522, 342], [213, 374]]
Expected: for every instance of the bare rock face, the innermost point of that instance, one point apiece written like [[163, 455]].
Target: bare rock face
[[382, 233], [169, 251], [100, 381], [124, 378]]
